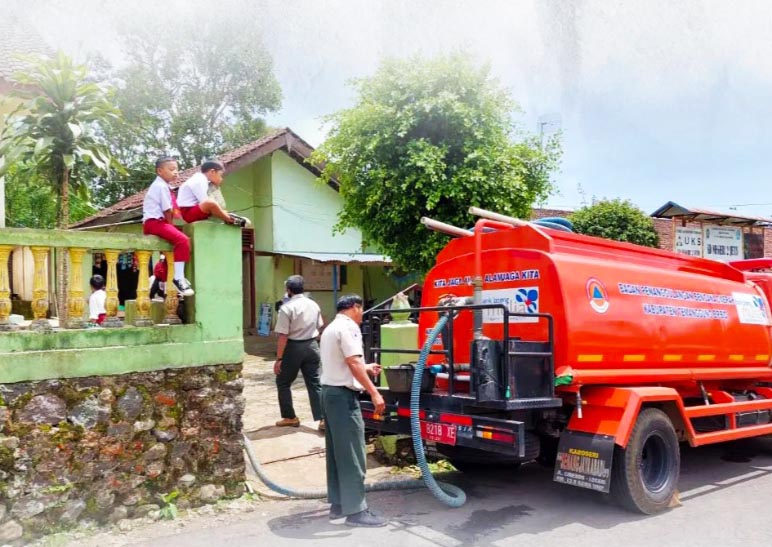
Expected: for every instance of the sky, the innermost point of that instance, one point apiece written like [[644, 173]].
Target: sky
[[656, 100]]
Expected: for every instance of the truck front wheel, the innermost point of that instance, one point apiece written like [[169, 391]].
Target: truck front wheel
[[645, 474]]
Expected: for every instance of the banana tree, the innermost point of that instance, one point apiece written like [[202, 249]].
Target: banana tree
[[54, 133]]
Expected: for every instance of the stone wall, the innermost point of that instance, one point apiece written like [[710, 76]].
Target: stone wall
[[104, 448]]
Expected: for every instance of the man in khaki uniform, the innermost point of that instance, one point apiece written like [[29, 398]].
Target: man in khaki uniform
[[298, 327], [344, 375]]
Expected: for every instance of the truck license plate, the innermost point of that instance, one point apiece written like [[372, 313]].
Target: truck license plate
[[441, 433]]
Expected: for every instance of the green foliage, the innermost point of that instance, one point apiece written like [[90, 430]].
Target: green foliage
[[440, 466], [54, 133], [169, 509], [192, 88], [29, 201], [431, 138], [616, 219]]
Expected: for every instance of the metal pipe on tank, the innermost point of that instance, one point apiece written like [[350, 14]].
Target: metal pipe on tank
[[477, 282], [449, 229], [483, 213]]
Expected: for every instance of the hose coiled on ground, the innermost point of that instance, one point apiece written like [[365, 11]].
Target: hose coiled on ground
[[321, 492], [448, 494]]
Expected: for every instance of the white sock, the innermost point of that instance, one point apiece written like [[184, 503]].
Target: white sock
[[179, 271]]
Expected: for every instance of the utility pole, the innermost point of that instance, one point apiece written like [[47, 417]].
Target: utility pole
[[548, 125]]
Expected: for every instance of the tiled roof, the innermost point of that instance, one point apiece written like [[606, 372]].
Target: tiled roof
[[17, 37], [130, 208]]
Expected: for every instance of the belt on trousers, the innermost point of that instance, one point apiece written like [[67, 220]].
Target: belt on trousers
[[290, 341], [342, 387]]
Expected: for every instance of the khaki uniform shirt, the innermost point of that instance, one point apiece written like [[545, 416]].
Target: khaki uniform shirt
[[341, 339], [299, 318]]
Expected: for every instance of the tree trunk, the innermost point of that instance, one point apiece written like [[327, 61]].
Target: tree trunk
[[61, 255]]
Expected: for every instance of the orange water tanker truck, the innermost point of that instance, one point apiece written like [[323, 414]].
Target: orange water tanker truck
[[594, 356]]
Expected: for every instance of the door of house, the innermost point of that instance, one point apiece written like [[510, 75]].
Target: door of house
[[248, 276]]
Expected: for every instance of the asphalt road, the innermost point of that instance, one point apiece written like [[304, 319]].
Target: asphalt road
[[726, 494]]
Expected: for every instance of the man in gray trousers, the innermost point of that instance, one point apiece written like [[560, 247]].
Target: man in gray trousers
[[298, 327], [344, 375]]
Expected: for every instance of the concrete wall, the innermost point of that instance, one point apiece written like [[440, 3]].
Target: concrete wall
[[305, 211], [216, 337], [248, 192]]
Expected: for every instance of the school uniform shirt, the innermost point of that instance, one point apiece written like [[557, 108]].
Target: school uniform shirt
[[157, 200], [193, 191], [300, 318], [96, 304], [341, 339]]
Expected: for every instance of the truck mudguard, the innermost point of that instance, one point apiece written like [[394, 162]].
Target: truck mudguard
[[612, 411]]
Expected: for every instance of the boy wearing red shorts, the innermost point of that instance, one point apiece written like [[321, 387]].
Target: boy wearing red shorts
[[194, 201], [157, 219]]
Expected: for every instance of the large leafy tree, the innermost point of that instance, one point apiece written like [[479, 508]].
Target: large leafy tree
[[191, 89], [431, 138], [616, 219], [53, 134]]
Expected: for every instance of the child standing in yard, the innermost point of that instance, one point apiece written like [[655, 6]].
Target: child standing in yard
[[96, 302], [194, 201], [158, 279], [157, 219]]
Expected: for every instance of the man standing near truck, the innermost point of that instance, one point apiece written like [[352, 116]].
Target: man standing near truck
[[344, 375], [298, 325]]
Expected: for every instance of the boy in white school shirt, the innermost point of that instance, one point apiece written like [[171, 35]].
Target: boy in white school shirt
[[158, 211], [194, 201]]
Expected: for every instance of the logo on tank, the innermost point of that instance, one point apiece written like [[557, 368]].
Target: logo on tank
[[521, 300], [597, 295], [528, 299]]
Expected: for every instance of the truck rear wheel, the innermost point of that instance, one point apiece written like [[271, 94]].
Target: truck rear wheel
[[645, 474]]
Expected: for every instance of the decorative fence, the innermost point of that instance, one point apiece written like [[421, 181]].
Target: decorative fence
[[76, 245]]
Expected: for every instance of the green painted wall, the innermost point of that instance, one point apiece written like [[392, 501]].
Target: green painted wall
[[285, 267], [277, 269], [74, 238], [248, 192], [215, 271], [380, 286], [305, 211], [264, 281], [216, 337]]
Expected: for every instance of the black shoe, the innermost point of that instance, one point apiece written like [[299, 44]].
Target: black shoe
[[183, 285], [366, 519], [336, 514], [239, 221]]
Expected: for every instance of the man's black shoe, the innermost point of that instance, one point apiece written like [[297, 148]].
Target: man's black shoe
[[366, 519], [336, 514]]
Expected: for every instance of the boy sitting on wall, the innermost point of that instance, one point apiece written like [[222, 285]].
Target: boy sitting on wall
[[158, 215], [196, 204]]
